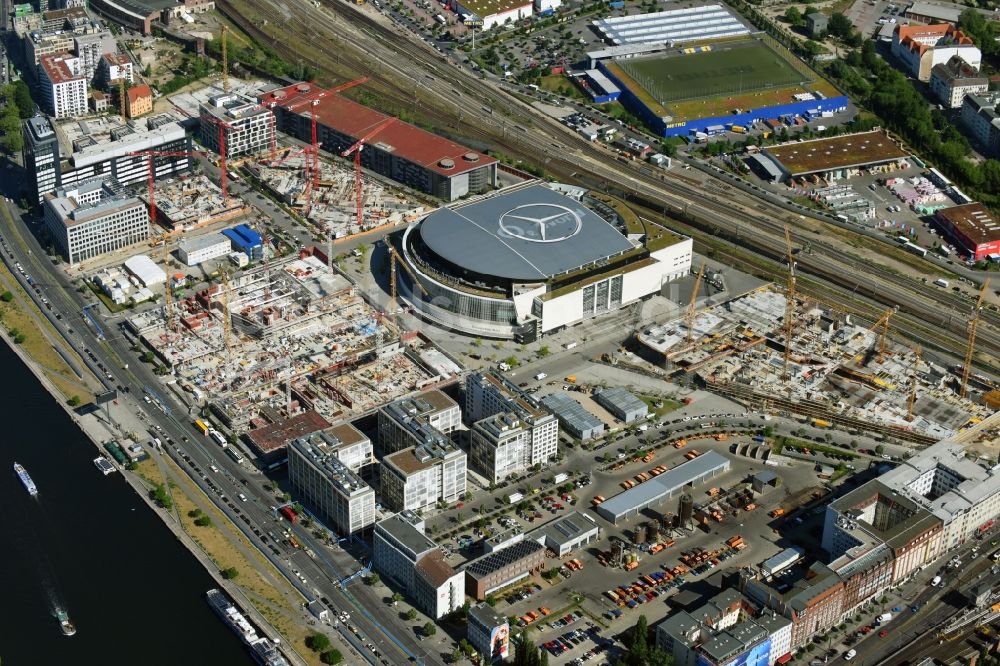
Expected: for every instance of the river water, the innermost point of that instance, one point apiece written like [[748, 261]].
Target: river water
[[88, 544]]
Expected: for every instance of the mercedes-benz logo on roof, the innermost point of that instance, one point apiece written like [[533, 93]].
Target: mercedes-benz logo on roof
[[540, 223]]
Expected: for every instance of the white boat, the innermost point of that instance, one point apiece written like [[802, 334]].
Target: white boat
[[29, 485], [104, 465]]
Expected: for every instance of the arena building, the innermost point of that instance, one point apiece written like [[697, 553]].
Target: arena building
[[533, 260]]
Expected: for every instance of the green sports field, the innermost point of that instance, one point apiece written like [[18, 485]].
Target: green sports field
[[730, 69]]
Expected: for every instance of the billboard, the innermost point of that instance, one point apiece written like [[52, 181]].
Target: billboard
[[758, 655], [500, 642]]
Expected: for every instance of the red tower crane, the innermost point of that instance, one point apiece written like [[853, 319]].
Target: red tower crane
[[223, 126], [356, 149], [150, 172], [313, 100]]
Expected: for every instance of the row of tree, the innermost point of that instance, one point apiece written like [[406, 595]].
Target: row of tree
[[17, 105], [889, 95]]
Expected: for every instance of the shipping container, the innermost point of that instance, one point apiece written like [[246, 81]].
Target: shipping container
[[201, 426], [289, 514]]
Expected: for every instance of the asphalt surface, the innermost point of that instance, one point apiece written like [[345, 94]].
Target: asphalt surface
[[321, 565]]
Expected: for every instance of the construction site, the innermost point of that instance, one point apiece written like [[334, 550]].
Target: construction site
[[836, 369], [329, 198], [191, 202], [291, 335]]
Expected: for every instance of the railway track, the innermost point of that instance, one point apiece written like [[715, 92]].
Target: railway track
[[408, 73]]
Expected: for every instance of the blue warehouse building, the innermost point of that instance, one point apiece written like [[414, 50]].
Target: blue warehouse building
[[246, 240]]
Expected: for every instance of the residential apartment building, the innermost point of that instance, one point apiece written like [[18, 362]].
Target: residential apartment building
[[246, 127], [490, 393], [422, 475], [112, 68], [96, 226], [63, 85], [920, 47], [138, 101], [99, 148], [405, 555], [90, 47], [488, 633], [401, 422], [337, 494], [980, 118], [953, 80]]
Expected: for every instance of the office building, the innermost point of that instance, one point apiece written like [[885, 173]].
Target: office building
[[245, 127], [396, 150], [63, 85], [489, 394], [336, 493], [402, 423], [500, 446], [488, 633], [193, 251], [86, 230], [99, 148], [953, 80], [422, 475], [623, 405], [406, 556]]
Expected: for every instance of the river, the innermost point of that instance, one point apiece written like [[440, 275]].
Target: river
[[87, 543]]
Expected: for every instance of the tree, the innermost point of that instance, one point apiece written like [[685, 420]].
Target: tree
[[203, 521], [332, 656], [10, 129], [879, 449], [638, 650], [428, 629], [6, 297], [317, 641], [22, 99], [840, 26], [456, 655], [74, 401], [543, 351], [373, 579], [396, 598], [982, 32], [491, 599], [811, 49], [411, 615], [230, 573], [793, 16]]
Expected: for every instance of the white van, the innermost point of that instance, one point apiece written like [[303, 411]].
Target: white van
[[941, 282], [936, 581], [540, 376]]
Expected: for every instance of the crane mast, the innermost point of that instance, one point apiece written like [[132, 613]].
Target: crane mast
[[973, 325], [789, 303]]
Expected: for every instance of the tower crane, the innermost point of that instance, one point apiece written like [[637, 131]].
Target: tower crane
[[356, 150], [121, 96], [913, 383], [789, 302], [694, 298], [225, 58], [394, 259], [150, 156], [223, 126], [312, 99], [973, 325]]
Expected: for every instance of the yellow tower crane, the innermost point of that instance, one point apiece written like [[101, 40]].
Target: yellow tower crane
[[225, 59], [694, 298], [913, 383], [168, 297], [789, 302], [121, 96], [967, 366]]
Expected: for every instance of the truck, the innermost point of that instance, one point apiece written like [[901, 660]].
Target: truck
[[514, 498], [738, 129], [540, 376], [941, 282], [820, 423], [289, 514], [571, 379], [200, 425], [560, 477]]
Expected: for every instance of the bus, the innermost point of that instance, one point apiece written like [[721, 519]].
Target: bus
[[200, 425], [234, 454]]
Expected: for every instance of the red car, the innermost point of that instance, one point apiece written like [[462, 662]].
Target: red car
[[883, 633]]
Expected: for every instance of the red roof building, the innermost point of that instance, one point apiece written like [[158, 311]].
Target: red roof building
[[271, 440], [407, 154]]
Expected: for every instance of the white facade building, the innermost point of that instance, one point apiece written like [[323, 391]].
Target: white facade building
[[247, 128], [955, 79], [328, 485], [418, 477], [500, 447], [402, 423], [494, 13], [63, 85], [87, 230], [193, 251]]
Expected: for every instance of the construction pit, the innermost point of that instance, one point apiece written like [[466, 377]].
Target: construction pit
[[294, 327], [839, 368], [192, 202], [329, 202]]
